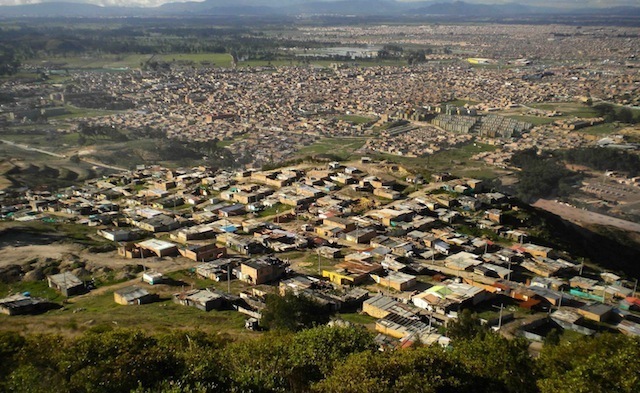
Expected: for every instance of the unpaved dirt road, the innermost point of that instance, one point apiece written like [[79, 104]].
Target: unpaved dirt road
[[580, 216]]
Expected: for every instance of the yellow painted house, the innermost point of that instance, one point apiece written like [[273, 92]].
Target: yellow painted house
[[351, 272]]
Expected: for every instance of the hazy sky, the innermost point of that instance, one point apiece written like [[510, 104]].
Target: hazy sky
[[547, 3]]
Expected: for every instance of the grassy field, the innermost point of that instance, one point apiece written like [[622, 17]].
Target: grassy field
[[535, 120], [95, 62], [212, 59], [84, 312], [70, 232], [33, 169], [132, 60], [457, 161], [600, 129], [343, 148], [226, 143], [278, 208], [36, 289], [98, 308], [75, 112], [461, 102], [568, 109], [356, 119], [358, 318], [20, 75]]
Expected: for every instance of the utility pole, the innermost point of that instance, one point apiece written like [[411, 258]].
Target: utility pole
[[582, 267], [561, 295], [319, 272], [500, 315], [635, 287], [66, 291], [229, 278]]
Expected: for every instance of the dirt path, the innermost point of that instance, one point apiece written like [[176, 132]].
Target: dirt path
[[17, 254], [29, 148], [580, 216]]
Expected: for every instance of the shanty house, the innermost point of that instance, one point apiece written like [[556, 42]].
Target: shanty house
[[19, 304], [262, 270], [133, 295], [202, 299], [66, 283]]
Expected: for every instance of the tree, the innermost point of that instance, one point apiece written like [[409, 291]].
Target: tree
[[260, 365], [467, 326], [10, 345], [606, 363], [315, 352], [541, 175], [118, 360], [608, 111], [423, 369], [293, 312], [552, 338], [37, 365], [503, 364], [9, 62], [625, 115]]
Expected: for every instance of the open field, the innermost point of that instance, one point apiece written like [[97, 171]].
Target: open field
[[583, 217], [456, 160], [601, 129], [94, 62], [43, 244], [535, 120], [75, 112], [356, 119], [632, 134], [208, 59], [569, 109], [132, 61], [344, 148], [460, 102], [81, 313], [33, 169]]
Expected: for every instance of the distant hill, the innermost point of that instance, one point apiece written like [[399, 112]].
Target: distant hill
[[622, 11], [69, 9], [295, 7], [350, 7], [214, 7], [462, 8]]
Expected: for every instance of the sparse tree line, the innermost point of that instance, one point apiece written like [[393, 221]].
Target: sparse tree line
[[544, 173], [611, 114], [28, 42], [242, 43], [412, 56]]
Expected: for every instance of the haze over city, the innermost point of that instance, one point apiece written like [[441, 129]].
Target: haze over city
[[276, 3], [330, 197]]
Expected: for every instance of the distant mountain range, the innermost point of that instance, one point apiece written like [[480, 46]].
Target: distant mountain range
[[298, 7]]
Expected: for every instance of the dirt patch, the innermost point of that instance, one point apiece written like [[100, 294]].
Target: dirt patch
[[67, 252], [583, 217]]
